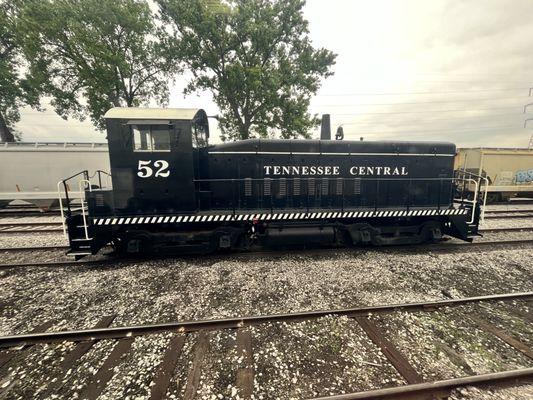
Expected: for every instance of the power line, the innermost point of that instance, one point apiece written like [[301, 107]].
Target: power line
[[453, 118], [481, 129], [419, 93], [428, 111], [424, 102]]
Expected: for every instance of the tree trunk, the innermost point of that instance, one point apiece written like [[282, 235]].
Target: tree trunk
[[5, 132]]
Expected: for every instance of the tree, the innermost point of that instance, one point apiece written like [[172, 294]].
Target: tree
[[255, 56], [97, 54], [19, 85]]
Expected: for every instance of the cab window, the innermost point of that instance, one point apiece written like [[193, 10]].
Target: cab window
[[151, 137]]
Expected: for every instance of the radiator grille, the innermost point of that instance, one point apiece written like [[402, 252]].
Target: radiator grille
[[248, 186]]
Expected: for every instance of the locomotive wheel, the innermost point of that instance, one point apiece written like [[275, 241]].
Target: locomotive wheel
[[119, 245], [430, 232]]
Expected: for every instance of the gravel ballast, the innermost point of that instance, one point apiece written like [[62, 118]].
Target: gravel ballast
[[291, 361]]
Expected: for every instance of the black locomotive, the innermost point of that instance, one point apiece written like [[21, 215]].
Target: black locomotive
[[172, 190]]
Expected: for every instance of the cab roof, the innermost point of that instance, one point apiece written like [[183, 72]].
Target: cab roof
[[152, 113]]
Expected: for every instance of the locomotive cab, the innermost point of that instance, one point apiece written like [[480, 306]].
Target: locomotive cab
[[152, 160]]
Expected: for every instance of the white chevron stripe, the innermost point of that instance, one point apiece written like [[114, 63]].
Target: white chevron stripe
[[276, 216]]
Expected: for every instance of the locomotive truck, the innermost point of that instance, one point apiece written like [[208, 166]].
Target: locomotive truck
[[173, 191]]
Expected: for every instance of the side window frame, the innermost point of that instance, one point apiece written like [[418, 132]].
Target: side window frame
[[150, 138]]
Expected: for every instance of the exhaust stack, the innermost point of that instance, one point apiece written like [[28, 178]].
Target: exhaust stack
[[325, 128]]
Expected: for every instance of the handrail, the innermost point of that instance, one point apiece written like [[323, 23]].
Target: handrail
[[67, 199], [83, 206], [478, 188], [99, 172], [83, 185], [61, 209]]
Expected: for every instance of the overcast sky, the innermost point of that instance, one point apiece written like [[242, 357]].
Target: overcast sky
[[406, 70]]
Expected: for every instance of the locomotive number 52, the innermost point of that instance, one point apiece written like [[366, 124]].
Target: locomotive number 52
[[145, 169]]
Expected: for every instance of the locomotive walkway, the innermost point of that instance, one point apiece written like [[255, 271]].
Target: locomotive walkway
[[17, 346]]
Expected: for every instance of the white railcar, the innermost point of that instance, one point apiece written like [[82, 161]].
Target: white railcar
[[31, 171]]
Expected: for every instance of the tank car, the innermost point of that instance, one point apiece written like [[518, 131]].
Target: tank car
[[172, 190]]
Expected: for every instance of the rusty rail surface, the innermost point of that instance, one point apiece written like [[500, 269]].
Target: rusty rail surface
[[124, 338]]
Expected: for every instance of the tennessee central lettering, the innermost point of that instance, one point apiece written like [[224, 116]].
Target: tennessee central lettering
[[332, 170], [378, 171], [301, 170]]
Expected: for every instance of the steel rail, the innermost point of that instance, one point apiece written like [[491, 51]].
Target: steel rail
[[508, 211], [239, 322], [275, 252], [51, 223], [37, 248], [514, 229], [32, 231], [32, 213], [440, 388], [512, 216]]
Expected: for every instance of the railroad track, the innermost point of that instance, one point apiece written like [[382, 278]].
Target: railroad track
[[503, 230], [198, 334], [518, 211], [254, 254], [33, 248], [30, 227], [508, 214], [28, 213]]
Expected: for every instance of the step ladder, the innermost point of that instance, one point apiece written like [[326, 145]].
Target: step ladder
[[80, 235]]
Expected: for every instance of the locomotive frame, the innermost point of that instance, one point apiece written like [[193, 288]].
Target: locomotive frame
[[173, 191]]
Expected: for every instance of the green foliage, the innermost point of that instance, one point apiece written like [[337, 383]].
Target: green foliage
[[96, 54], [19, 85], [256, 58]]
